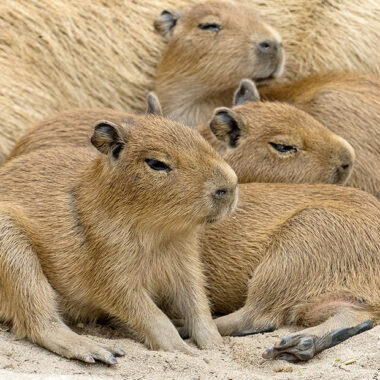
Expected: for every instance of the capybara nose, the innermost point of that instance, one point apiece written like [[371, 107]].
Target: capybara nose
[[268, 46], [225, 194], [220, 193]]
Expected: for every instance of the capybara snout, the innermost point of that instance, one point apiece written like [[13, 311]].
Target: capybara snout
[[223, 191], [345, 158]]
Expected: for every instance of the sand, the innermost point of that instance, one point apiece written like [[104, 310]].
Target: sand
[[238, 358]]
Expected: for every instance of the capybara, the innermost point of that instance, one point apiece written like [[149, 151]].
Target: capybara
[[349, 105], [90, 54], [261, 141], [209, 50], [274, 142], [304, 255], [85, 235]]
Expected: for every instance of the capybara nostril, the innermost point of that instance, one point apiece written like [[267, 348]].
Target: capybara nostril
[[220, 193], [345, 166], [268, 46]]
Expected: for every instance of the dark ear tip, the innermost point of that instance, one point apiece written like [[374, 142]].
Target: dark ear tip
[[221, 110], [103, 126], [165, 12], [153, 104], [246, 92], [247, 84]]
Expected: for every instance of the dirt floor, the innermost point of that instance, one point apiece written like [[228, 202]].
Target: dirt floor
[[239, 358]]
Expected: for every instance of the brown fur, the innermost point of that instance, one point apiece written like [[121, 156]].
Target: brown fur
[[104, 234], [349, 105]]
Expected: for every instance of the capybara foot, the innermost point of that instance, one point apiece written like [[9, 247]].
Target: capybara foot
[[208, 338], [301, 347], [169, 341], [73, 346]]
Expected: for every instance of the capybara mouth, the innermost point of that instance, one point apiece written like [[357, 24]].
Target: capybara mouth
[[261, 81]]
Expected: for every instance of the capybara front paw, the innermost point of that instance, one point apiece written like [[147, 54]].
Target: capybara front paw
[[78, 347], [207, 339]]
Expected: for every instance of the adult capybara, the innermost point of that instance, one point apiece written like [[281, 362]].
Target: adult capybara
[[85, 234], [349, 105]]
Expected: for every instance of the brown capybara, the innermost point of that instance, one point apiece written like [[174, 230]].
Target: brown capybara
[[210, 49], [349, 105], [262, 142], [274, 142], [305, 255], [57, 56], [85, 235]]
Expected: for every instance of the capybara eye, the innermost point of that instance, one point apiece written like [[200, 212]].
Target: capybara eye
[[284, 148], [213, 27], [157, 165]]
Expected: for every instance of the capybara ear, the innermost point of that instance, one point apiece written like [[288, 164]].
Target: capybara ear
[[109, 138], [153, 104], [226, 126], [247, 92], [167, 22]]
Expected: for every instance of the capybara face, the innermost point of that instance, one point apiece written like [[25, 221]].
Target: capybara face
[[274, 142], [166, 170], [219, 44]]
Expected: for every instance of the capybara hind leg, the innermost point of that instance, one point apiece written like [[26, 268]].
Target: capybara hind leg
[[309, 342], [28, 300]]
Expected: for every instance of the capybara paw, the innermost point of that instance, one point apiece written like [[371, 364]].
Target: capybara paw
[[85, 350], [208, 339], [172, 346], [303, 347], [292, 348]]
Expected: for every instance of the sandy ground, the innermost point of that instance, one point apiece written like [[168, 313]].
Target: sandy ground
[[239, 358]]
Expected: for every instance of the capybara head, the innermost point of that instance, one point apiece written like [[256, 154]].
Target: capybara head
[[275, 142], [216, 44], [159, 168]]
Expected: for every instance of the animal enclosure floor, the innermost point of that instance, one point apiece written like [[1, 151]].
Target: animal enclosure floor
[[238, 358]]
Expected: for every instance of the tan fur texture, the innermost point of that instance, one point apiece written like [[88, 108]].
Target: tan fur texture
[[295, 254], [104, 54], [85, 235], [349, 105], [319, 158]]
